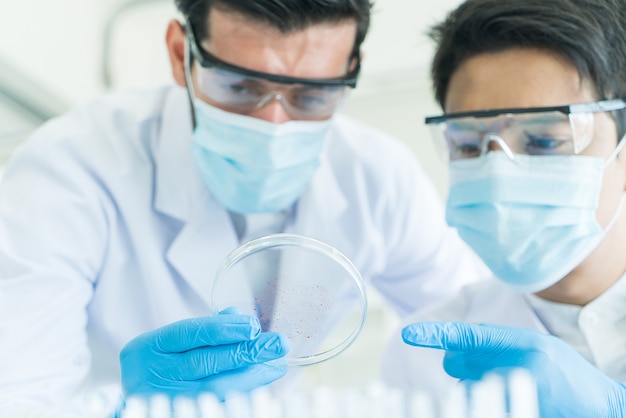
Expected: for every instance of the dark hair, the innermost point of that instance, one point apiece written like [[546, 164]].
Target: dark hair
[[285, 15], [590, 34]]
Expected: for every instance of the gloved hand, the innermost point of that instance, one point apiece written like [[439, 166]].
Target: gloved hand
[[218, 354], [568, 386]]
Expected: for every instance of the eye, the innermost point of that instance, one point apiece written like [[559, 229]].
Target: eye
[[463, 142], [314, 97], [547, 144], [466, 150], [241, 89], [227, 85], [310, 101]]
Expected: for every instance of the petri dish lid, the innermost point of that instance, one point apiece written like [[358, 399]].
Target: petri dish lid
[[299, 286]]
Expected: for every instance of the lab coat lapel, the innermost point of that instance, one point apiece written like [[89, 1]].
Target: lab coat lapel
[[201, 246], [206, 236]]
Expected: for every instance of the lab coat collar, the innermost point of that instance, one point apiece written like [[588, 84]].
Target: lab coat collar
[[610, 304], [178, 185], [562, 318], [207, 235]]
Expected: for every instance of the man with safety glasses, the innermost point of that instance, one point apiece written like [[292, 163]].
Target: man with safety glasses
[[534, 128], [115, 217]]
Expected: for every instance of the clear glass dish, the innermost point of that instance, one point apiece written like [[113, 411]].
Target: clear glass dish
[[299, 286]]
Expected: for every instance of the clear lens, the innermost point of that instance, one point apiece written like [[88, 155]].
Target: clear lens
[[542, 133], [245, 93]]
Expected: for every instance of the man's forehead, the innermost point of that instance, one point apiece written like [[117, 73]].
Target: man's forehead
[[516, 78], [220, 16], [322, 51]]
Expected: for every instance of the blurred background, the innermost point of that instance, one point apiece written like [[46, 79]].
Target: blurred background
[[55, 54]]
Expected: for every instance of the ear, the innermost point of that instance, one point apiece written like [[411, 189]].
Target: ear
[[175, 39], [354, 61]]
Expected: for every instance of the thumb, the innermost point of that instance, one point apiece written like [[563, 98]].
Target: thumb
[[231, 310]]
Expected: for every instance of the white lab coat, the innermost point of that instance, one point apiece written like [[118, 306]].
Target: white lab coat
[[107, 230]]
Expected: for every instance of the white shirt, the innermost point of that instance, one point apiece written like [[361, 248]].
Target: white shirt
[[597, 331], [107, 231]]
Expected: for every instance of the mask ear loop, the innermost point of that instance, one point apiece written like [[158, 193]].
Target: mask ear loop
[[622, 199], [615, 152], [189, 85], [615, 217]]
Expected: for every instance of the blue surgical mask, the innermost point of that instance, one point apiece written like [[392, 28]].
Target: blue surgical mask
[[531, 221], [254, 166]]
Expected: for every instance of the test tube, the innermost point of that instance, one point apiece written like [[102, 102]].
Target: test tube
[[184, 407], [454, 403], [523, 395], [160, 407], [135, 408], [421, 405], [209, 406], [487, 397], [237, 405]]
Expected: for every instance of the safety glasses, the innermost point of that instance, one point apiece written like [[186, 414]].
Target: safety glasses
[[557, 130], [243, 90]]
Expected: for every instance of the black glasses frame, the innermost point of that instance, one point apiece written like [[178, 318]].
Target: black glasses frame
[[600, 106], [208, 60]]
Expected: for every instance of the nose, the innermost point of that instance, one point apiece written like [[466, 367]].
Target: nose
[[494, 146], [271, 109], [493, 142]]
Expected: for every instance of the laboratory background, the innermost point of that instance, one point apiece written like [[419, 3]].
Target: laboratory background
[[55, 54]]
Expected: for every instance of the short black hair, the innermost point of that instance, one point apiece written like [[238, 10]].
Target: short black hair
[[285, 15], [590, 34]]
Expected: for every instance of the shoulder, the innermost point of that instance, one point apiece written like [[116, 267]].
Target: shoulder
[[105, 118], [95, 145], [114, 127]]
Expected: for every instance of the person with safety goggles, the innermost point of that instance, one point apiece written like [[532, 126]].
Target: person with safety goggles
[[259, 136], [115, 217], [534, 128]]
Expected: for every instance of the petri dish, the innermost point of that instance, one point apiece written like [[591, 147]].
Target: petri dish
[[299, 286]]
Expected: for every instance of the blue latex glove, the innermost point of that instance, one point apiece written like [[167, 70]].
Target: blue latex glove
[[218, 354], [568, 386]]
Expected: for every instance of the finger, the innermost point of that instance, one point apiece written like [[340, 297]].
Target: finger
[[212, 330], [441, 335], [207, 361], [458, 336]]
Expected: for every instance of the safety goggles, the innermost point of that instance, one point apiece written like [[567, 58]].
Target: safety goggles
[[557, 130], [243, 90]]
